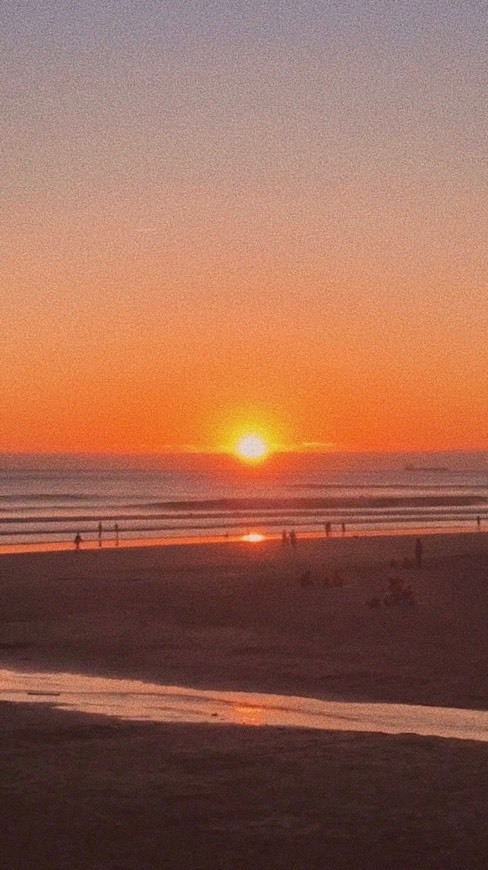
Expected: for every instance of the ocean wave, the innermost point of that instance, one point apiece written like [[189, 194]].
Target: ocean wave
[[255, 507], [314, 503]]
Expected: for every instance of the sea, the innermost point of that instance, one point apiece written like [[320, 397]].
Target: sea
[[48, 499]]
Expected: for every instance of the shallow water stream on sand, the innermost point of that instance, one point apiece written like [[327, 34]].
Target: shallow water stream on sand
[[139, 701]]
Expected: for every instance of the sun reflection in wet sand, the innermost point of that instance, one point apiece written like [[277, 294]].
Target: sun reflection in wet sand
[[139, 701], [249, 715]]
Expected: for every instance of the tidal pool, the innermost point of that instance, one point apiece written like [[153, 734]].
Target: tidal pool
[[136, 700]]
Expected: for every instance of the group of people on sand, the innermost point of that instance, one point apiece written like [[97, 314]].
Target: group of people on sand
[[290, 538], [328, 529], [399, 593], [329, 581], [79, 540]]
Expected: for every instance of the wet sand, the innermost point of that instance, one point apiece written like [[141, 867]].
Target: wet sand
[[93, 791], [137, 700]]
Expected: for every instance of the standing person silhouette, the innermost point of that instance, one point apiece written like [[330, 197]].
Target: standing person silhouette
[[100, 534], [478, 522], [78, 540], [116, 530], [419, 549]]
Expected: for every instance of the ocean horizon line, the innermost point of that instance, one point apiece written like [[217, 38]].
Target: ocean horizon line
[[403, 459]]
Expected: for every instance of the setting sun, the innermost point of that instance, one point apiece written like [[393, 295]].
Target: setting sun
[[251, 448]]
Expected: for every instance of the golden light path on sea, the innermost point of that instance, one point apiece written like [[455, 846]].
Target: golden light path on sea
[[136, 700]]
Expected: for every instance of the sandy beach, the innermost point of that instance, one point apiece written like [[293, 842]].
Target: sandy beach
[[84, 790]]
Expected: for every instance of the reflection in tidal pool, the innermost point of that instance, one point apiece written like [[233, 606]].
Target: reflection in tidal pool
[[136, 700]]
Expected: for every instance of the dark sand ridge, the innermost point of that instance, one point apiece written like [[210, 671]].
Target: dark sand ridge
[[82, 791]]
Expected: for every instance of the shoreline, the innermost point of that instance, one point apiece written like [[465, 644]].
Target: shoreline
[[250, 537]]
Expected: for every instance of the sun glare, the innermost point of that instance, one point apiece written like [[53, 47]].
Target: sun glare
[[252, 448]]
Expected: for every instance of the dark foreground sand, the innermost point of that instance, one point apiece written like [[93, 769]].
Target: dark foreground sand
[[79, 791]]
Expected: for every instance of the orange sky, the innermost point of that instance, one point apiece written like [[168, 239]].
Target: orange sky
[[220, 224]]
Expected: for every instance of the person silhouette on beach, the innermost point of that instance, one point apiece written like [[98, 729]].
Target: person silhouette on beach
[[78, 540], [116, 530], [284, 537], [293, 538], [478, 522], [100, 530], [419, 549], [343, 527], [328, 528]]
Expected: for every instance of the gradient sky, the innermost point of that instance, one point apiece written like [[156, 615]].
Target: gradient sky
[[220, 214]]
